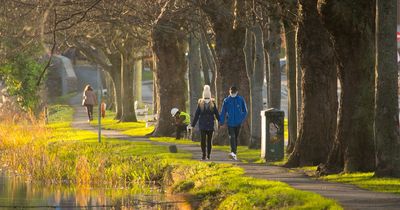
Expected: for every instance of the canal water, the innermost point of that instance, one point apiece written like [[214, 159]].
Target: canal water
[[15, 193]]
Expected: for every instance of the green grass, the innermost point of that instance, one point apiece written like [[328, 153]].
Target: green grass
[[147, 75], [61, 154], [64, 99], [279, 163], [57, 154], [367, 181], [286, 132], [309, 168], [172, 140], [245, 154], [129, 128], [223, 186], [363, 180]]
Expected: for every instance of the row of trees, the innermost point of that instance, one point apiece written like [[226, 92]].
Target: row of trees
[[356, 41], [237, 42]]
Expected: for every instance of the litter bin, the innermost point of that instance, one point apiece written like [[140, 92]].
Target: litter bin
[[272, 134]]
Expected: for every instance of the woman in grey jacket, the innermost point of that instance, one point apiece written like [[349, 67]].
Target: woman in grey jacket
[[89, 100]]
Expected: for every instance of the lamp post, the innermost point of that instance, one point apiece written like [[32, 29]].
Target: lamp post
[[100, 88]]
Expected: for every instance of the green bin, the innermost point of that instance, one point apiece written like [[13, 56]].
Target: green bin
[[272, 134]]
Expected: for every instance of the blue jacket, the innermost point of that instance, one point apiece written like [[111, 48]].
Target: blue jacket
[[206, 116], [234, 109]]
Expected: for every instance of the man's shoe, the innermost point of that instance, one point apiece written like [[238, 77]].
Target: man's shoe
[[208, 157], [234, 157], [231, 155], [203, 158]]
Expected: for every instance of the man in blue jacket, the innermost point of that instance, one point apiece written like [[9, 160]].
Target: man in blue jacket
[[235, 110]]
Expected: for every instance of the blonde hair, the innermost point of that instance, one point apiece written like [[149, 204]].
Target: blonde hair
[[88, 87], [201, 103]]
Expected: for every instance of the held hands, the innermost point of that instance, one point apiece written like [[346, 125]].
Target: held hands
[[221, 126]]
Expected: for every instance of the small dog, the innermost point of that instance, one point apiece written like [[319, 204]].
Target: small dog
[[103, 109]]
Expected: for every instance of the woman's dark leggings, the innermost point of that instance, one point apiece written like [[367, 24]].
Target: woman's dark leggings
[[89, 109], [206, 135]]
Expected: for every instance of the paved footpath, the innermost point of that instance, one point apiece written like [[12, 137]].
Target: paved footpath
[[349, 196]]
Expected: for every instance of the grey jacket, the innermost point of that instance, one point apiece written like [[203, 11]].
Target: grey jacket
[[89, 98]]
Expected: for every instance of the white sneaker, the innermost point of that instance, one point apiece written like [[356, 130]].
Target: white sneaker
[[234, 156]]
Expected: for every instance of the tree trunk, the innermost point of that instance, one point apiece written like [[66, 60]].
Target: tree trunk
[[267, 66], [257, 87], [289, 24], [155, 105], [138, 80], [127, 78], [319, 109], [352, 25], [110, 97], [116, 75], [231, 69], [274, 37], [255, 65], [169, 50], [195, 90], [298, 88], [387, 137], [207, 61]]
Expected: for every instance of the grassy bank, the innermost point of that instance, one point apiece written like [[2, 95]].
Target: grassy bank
[[223, 186], [58, 154], [363, 180], [129, 128], [367, 181]]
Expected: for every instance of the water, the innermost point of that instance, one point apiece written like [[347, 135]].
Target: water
[[17, 194]]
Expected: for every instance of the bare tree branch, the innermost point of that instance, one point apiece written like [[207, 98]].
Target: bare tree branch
[[81, 19], [52, 50]]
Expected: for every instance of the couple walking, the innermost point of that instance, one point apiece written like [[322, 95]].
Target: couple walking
[[234, 112]]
